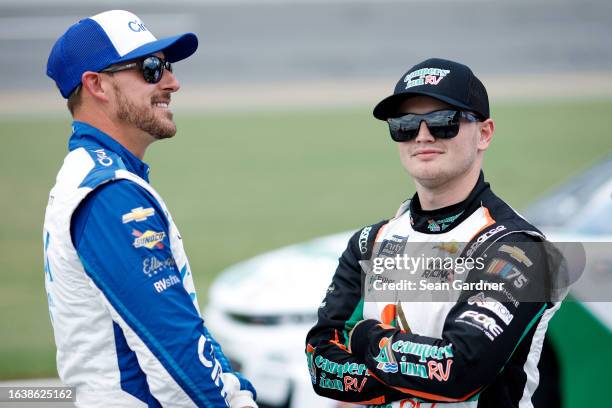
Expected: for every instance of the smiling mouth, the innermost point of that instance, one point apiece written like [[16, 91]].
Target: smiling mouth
[[163, 105]]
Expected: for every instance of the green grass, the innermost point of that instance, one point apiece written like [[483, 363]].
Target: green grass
[[239, 184]]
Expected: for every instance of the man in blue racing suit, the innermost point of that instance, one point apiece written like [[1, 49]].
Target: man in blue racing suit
[[126, 319]]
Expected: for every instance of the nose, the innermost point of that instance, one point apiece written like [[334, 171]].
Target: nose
[[170, 82], [424, 136]]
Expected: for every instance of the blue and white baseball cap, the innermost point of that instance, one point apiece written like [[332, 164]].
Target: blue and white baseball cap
[[105, 39]]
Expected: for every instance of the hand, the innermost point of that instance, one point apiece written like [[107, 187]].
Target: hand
[[240, 392], [231, 384], [358, 336], [242, 399], [245, 384]]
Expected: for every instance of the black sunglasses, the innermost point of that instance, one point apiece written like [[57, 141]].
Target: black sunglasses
[[152, 68], [442, 124]]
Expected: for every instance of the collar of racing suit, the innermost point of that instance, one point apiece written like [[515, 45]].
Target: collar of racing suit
[[84, 134], [445, 219]]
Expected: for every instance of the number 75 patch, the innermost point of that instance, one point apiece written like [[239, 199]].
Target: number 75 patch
[[508, 271]]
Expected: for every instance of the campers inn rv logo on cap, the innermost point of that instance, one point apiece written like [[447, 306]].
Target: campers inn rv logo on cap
[[425, 76]]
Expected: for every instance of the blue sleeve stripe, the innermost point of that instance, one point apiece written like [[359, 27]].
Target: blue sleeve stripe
[[159, 351], [133, 379], [225, 364], [46, 265]]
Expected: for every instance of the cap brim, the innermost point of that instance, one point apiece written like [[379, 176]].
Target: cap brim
[[175, 48], [388, 107]]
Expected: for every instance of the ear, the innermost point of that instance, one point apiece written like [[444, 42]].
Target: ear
[[486, 130], [95, 85]]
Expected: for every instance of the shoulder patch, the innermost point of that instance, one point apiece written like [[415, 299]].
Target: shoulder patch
[[484, 236], [516, 253], [138, 214], [363, 239], [106, 163], [508, 271]]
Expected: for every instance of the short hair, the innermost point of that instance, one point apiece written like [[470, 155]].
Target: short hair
[[74, 100]]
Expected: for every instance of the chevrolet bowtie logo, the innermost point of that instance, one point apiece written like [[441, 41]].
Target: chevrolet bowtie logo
[[137, 214], [516, 253], [450, 247]]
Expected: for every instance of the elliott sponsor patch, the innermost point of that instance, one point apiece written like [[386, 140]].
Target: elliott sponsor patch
[[152, 266]]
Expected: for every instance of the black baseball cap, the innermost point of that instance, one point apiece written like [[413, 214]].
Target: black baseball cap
[[445, 80]]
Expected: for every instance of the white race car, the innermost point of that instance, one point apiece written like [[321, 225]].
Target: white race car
[[261, 309]]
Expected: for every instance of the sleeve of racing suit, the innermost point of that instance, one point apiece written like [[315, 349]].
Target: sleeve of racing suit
[[480, 333], [243, 383], [130, 261], [336, 373]]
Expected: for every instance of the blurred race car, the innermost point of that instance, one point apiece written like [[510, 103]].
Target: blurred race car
[[261, 309], [580, 206], [580, 211]]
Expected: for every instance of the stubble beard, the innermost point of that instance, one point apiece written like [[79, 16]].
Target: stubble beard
[[144, 117]]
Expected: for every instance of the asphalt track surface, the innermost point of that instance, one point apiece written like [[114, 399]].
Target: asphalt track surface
[[245, 42]]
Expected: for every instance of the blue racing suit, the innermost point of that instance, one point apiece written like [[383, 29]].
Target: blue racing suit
[[121, 296]]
